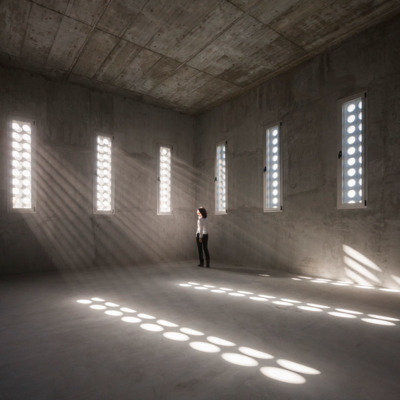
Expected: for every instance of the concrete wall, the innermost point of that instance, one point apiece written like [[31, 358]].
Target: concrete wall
[[64, 232], [311, 236]]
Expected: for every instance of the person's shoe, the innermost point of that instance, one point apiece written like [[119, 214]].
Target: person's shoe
[[208, 265], [201, 265]]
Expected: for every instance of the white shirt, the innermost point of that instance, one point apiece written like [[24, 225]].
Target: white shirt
[[202, 226]]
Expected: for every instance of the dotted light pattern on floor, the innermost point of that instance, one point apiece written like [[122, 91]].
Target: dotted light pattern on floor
[[352, 151], [342, 283], [21, 171], [287, 303], [165, 180], [283, 370], [103, 173]]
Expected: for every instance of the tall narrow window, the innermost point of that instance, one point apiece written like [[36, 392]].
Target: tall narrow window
[[103, 196], [351, 154], [221, 180], [272, 170], [21, 166], [164, 181]]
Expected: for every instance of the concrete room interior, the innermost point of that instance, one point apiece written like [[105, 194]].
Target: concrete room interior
[[302, 298]]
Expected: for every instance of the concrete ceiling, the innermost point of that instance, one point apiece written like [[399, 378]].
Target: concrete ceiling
[[187, 55]]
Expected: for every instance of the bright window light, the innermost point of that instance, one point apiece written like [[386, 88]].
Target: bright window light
[[98, 299], [272, 179], [351, 155], [127, 310], [109, 304], [146, 316], [166, 323], [378, 321], [204, 347], [221, 180], [164, 181], [179, 337], [302, 369], [255, 353], [282, 375], [114, 313], [248, 357], [190, 331], [21, 165], [341, 315], [84, 301], [255, 298], [308, 308], [240, 359], [98, 307], [103, 203], [219, 341], [152, 327], [131, 320]]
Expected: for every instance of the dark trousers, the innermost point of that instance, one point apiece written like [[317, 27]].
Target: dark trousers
[[203, 245]]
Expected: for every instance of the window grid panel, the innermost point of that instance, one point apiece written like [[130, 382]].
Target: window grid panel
[[21, 186], [272, 170], [352, 152], [104, 171], [221, 178], [164, 193]]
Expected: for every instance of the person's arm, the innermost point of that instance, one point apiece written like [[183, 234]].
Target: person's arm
[[201, 229]]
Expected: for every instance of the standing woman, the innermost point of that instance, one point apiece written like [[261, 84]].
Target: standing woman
[[202, 236]]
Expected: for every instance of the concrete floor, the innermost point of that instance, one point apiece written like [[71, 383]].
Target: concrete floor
[[54, 347]]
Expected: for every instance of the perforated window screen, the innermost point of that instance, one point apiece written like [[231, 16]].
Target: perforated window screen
[[164, 181], [21, 165], [352, 153], [272, 179], [104, 201], [221, 179]]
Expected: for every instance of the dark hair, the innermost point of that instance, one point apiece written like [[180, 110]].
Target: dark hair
[[203, 212]]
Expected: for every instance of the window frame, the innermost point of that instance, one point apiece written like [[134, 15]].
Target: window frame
[[33, 125], [95, 210], [221, 212], [171, 147], [339, 153], [265, 170]]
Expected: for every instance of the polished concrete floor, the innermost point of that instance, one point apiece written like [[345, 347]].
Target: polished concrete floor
[[176, 331]]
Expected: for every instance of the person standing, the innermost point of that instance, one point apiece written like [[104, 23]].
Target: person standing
[[202, 236]]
